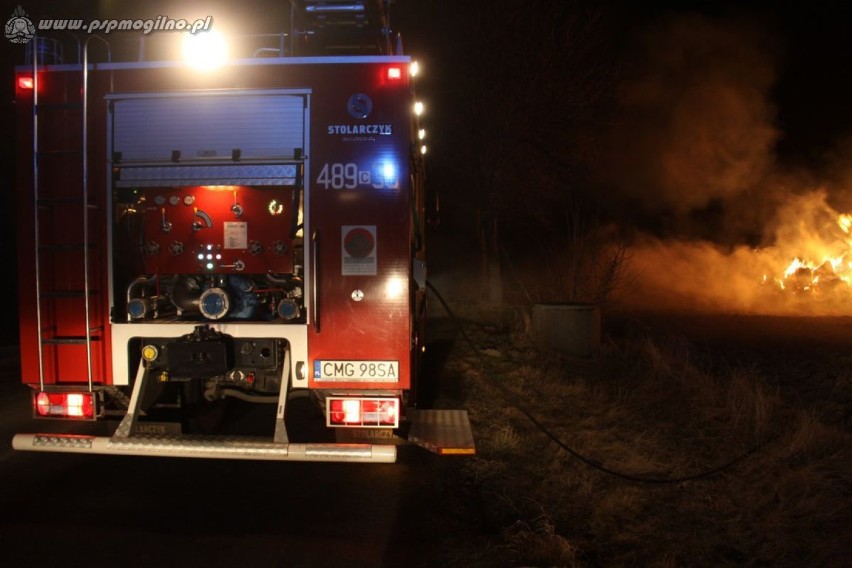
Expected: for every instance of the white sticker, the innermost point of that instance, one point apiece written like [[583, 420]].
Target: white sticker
[[236, 234], [358, 250]]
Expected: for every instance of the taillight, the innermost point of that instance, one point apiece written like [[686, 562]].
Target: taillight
[[65, 405], [394, 73], [25, 83], [355, 411]]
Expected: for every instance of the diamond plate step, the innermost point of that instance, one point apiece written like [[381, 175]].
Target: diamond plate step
[[225, 447], [444, 432]]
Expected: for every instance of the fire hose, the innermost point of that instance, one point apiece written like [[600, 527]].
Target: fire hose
[[512, 399]]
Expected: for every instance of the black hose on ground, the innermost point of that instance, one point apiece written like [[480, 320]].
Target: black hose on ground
[[512, 399]]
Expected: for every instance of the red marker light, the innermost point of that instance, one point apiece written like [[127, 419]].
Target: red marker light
[[65, 405], [26, 83], [364, 412], [394, 73]]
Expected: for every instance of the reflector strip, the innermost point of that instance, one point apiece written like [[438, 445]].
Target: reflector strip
[[457, 451]]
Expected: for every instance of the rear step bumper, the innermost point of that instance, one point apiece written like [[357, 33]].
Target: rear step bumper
[[444, 432], [224, 447]]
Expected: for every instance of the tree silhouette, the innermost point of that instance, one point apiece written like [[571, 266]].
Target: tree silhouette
[[532, 80]]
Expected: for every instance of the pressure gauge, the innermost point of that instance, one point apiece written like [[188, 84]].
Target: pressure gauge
[[214, 303], [174, 200], [189, 199]]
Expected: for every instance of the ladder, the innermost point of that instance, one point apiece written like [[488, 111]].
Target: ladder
[[68, 319], [331, 27]]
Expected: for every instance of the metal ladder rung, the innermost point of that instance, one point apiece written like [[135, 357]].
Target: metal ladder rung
[[41, 204], [62, 152], [65, 246], [80, 386], [70, 340], [68, 293], [51, 329], [46, 202], [77, 105]]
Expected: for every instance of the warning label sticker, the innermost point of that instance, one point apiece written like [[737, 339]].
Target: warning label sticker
[[358, 250], [236, 235]]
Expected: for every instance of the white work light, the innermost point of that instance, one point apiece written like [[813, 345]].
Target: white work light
[[205, 51]]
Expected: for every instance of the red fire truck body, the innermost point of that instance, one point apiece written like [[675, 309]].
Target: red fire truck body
[[192, 242]]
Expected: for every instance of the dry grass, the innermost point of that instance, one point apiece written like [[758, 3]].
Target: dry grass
[[655, 408]]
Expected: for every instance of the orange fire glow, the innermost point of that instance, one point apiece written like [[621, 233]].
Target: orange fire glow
[[827, 272], [804, 268]]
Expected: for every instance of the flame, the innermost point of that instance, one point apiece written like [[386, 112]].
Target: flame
[[804, 267], [844, 221], [830, 271]]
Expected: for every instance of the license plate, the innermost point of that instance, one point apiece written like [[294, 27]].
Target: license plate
[[356, 371]]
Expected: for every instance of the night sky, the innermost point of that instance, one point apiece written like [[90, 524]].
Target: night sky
[[813, 54], [805, 51], [675, 70], [809, 44]]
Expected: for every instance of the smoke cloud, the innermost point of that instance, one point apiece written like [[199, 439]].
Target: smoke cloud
[[696, 125], [694, 156]]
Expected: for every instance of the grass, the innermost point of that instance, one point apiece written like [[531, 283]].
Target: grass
[[651, 407]]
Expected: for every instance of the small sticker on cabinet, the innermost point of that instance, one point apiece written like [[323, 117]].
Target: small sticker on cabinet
[[358, 250]]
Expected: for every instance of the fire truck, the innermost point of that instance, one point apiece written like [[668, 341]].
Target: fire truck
[[200, 250]]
